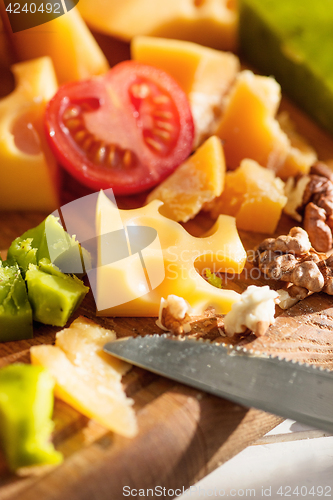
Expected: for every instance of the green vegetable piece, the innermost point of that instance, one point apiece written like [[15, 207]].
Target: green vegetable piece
[[15, 309], [213, 279], [292, 40], [23, 253], [26, 405], [48, 240], [53, 295]]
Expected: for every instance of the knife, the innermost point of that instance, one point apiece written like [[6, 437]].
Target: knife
[[286, 388]]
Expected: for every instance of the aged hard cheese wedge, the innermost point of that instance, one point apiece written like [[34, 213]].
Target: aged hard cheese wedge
[[29, 173], [197, 181], [298, 43], [161, 264], [254, 196], [249, 128], [209, 22], [69, 43], [206, 75], [86, 378]]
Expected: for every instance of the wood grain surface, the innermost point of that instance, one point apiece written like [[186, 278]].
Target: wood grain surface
[[183, 434]]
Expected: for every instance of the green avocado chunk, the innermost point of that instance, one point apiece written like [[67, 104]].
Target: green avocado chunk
[[293, 41], [26, 405], [53, 295], [15, 309], [48, 240]]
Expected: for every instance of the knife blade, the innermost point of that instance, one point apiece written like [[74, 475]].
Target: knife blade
[[289, 389]]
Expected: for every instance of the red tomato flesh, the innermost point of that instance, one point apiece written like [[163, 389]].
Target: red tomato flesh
[[128, 129]]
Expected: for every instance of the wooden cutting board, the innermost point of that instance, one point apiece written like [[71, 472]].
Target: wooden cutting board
[[183, 434]]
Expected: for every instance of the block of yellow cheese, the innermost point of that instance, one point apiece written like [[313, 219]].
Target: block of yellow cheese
[[204, 74], [28, 170], [249, 129], [162, 261], [67, 40], [254, 196], [197, 181], [208, 22]]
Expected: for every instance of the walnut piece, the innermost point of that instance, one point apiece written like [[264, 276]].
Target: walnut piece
[[316, 227], [296, 242], [310, 198], [320, 168], [174, 315], [254, 311], [304, 273]]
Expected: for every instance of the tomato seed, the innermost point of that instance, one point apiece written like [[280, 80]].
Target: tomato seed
[[140, 91], [81, 135], [154, 144], [127, 158], [164, 125], [161, 99], [161, 133], [71, 113], [89, 141], [100, 154], [163, 114], [73, 123]]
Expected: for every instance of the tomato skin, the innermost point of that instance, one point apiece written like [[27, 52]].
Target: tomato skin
[[127, 129]]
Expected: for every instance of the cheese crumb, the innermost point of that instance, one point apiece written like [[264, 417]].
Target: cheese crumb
[[286, 300], [255, 311], [174, 315], [294, 191]]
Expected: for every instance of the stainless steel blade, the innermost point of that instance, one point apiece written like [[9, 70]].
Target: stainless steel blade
[[298, 391]]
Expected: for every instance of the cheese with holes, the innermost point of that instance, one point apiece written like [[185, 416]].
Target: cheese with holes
[[160, 258], [87, 378], [249, 129], [204, 74], [208, 22], [28, 170], [67, 40]]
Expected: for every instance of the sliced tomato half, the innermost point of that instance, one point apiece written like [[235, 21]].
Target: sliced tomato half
[[127, 130]]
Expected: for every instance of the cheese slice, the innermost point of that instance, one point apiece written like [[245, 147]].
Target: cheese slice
[[87, 378]]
